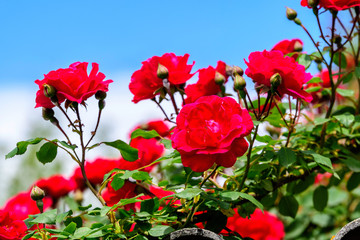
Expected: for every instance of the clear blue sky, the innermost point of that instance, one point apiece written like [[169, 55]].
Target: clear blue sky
[[42, 35]]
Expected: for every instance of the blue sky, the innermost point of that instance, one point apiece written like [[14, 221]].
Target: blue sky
[[39, 36]]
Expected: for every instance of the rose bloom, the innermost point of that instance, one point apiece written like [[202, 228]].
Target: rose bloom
[[288, 46], [149, 151], [206, 84], [56, 186], [211, 130], [145, 82], [263, 65], [72, 83], [112, 197], [337, 5], [260, 226], [21, 205], [95, 171], [10, 228]]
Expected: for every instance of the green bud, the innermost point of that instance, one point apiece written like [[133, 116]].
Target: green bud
[[319, 67], [47, 113], [275, 81], [40, 205], [37, 193], [239, 82], [162, 72], [238, 70], [313, 3], [101, 104], [297, 21], [219, 78], [54, 121], [49, 91], [337, 39], [229, 70], [291, 14], [100, 95]]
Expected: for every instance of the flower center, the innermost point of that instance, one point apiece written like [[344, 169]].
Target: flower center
[[212, 125]]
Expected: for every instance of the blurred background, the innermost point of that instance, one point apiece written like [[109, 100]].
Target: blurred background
[[40, 36]]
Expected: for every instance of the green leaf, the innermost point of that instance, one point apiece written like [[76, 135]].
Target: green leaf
[[343, 59], [117, 182], [252, 200], [167, 143], [70, 228], [141, 176], [48, 217], [286, 156], [29, 235], [104, 210], [321, 121], [84, 208], [61, 216], [21, 147], [352, 163], [189, 193], [149, 205], [357, 72], [288, 206], [47, 152], [304, 60], [345, 92], [144, 134], [160, 230], [313, 89], [315, 80], [81, 232], [322, 160], [127, 201], [353, 181], [65, 144], [320, 198], [346, 119], [141, 237], [128, 153]]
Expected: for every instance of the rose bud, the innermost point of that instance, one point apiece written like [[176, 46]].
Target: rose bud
[[219, 78], [162, 71], [275, 81], [239, 83], [297, 21], [37, 193], [239, 70], [298, 46], [100, 95], [229, 70], [337, 39], [47, 113], [313, 3], [291, 14], [49, 91], [54, 121]]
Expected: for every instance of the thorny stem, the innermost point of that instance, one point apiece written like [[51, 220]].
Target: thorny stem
[[163, 111], [281, 114], [168, 90], [248, 158], [67, 116], [205, 179], [321, 31]]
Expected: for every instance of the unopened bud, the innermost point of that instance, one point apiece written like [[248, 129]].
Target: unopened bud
[[100, 95], [291, 14], [319, 67], [101, 104], [337, 39], [54, 121], [297, 21], [229, 70], [37, 193], [162, 71], [40, 205], [239, 83], [298, 46], [49, 91], [219, 78], [275, 81], [238, 70], [313, 3], [47, 113]]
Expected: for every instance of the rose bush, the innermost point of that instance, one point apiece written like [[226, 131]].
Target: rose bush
[[336, 5]]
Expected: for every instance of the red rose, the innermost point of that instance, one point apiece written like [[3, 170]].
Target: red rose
[[95, 171], [337, 5], [145, 82], [10, 228], [260, 226], [262, 65], [73, 84], [21, 205], [149, 151], [211, 130], [56, 186], [112, 197], [206, 84], [288, 46]]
